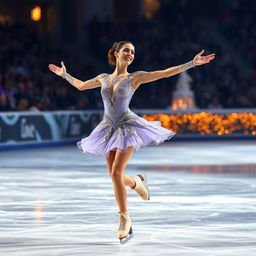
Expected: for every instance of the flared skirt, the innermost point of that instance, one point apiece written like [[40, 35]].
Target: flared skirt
[[130, 130]]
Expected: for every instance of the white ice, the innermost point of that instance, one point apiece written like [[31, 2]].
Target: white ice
[[58, 201]]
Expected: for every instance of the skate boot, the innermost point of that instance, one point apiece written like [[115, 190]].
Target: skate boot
[[125, 227], [141, 187]]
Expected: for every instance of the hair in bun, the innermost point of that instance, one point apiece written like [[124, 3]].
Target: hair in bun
[[115, 48]]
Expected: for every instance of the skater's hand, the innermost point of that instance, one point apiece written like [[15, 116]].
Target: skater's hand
[[200, 60], [57, 70]]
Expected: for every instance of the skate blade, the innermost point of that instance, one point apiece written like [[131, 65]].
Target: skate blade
[[124, 240]]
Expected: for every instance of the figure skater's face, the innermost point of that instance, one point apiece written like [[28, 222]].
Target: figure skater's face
[[125, 54]]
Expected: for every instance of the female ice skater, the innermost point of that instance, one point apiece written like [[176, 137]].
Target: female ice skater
[[121, 131]]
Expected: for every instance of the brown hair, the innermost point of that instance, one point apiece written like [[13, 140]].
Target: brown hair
[[115, 48]]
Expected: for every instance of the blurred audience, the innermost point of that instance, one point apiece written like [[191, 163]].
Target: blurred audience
[[173, 37], [26, 84]]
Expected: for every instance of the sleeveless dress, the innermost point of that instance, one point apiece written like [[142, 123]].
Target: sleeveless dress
[[120, 127]]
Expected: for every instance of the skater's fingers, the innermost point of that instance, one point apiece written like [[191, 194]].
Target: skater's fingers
[[63, 67], [200, 53], [211, 55], [52, 67], [62, 64]]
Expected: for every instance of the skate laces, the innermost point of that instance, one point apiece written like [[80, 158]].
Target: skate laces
[[141, 188], [123, 223], [141, 191]]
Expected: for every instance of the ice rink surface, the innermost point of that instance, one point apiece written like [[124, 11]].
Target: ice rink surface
[[58, 201]]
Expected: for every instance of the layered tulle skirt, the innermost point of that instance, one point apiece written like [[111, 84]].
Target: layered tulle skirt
[[129, 130]]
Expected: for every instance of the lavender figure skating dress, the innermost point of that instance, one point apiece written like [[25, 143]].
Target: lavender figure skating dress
[[120, 127]]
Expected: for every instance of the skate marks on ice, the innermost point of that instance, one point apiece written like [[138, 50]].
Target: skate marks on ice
[[61, 202], [191, 215], [52, 246]]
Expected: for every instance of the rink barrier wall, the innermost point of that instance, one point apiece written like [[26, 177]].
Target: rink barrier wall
[[45, 128], [65, 127], [207, 123]]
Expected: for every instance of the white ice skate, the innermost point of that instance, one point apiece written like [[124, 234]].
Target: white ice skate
[[125, 227], [141, 187]]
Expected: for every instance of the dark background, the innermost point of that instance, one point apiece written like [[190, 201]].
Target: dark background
[[165, 33]]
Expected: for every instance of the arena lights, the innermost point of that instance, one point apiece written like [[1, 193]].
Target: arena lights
[[207, 123], [36, 13], [180, 103], [151, 7]]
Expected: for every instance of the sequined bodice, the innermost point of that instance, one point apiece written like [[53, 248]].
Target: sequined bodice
[[120, 127], [116, 102]]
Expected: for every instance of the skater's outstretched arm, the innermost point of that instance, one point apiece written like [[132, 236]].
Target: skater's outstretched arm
[[146, 77], [80, 85]]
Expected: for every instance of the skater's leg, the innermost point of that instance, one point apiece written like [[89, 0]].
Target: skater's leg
[[137, 183], [128, 181], [110, 159], [117, 175], [116, 162]]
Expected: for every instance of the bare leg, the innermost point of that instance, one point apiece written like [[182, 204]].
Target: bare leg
[[128, 181], [118, 178]]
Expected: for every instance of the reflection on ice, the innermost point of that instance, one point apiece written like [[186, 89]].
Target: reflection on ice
[[244, 168], [68, 206]]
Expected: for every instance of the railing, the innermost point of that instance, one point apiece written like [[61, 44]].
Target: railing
[[55, 126], [59, 126]]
